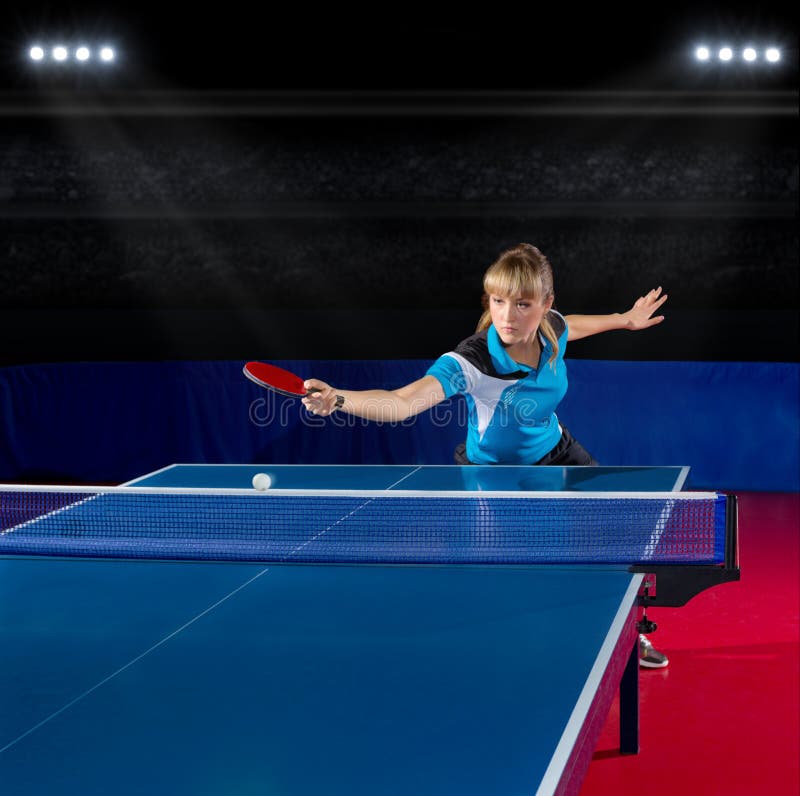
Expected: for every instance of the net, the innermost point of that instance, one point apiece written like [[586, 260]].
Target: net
[[386, 527]]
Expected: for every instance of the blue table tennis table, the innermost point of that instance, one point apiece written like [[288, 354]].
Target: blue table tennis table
[[132, 677]]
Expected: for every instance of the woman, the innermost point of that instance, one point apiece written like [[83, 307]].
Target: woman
[[511, 372]]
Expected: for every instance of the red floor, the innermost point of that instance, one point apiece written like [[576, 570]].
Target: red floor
[[724, 717]]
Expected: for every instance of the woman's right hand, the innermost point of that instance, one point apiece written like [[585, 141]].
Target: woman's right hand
[[322, 401]]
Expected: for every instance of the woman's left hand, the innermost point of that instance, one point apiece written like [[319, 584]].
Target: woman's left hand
[[640, 316]]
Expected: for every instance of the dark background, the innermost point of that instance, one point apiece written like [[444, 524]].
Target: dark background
[[307, 183], [237, 45]]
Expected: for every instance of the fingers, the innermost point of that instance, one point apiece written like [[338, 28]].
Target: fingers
[[643, 309], [315, 384], [316, 405], [651, 300], [653, 295], [321, 398], [652, 307]]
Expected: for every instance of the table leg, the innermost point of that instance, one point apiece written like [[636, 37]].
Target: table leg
[[629, 704]]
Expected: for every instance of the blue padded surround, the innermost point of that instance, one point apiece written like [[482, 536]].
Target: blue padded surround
[[735, 424]]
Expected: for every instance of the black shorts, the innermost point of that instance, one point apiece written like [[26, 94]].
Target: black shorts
[[568, 453]]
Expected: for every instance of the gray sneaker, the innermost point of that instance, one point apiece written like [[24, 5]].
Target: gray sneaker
[[649, 656]]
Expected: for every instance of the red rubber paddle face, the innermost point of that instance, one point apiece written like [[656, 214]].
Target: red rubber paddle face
[[274, 378]]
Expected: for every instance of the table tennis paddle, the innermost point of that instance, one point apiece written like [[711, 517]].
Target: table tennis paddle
[[274, 378], [281, 381]]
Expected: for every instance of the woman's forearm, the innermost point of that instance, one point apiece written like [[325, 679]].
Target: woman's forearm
[[586, 325], [382, 406]]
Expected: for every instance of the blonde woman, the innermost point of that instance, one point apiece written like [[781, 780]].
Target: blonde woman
[[511, 372]]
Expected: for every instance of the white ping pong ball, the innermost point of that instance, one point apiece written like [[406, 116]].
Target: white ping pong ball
[[262, 481]]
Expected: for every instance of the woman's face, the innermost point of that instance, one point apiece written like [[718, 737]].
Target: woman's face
[[515, 318]]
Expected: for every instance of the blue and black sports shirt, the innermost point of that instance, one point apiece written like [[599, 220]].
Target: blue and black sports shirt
[[512, 418]]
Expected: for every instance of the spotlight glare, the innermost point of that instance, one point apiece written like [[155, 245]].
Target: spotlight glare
[[60, 53], [82, 53], [107, 54], [773, 55], [36, 53], [725, 54], [702, 54], [749, 54]]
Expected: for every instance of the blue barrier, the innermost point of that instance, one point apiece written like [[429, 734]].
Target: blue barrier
[[736, 424]]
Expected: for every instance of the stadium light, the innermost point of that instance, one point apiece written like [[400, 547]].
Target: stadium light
[[750, 52], [67, 53]]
